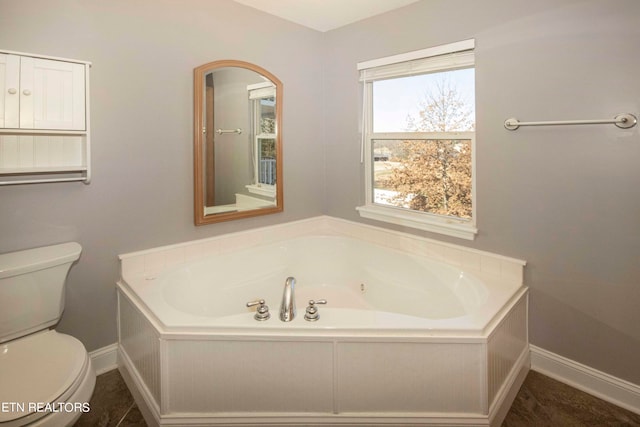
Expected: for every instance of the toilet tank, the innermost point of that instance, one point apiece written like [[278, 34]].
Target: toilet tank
[[32, 288]]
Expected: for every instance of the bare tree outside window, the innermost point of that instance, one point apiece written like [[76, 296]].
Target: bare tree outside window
[[431, 175], [443, 109]]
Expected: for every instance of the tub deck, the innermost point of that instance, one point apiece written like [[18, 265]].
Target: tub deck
[[200, 359]]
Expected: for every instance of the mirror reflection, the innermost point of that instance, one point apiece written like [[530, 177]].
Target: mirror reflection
[[237, 143]]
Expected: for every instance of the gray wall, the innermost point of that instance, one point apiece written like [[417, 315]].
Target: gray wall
[[563, 198], [233, 160], [141, 196]]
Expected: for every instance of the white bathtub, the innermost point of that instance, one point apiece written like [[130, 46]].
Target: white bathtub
[[403, 339]]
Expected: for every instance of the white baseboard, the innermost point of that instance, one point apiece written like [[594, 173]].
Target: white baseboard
[[607, 387], [105, 359]]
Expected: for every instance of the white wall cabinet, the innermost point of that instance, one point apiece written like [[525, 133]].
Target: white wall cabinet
[[44, 119]]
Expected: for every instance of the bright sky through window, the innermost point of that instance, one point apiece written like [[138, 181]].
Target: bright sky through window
[[396, 99]]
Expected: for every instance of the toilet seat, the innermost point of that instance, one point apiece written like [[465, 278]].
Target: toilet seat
[[40, 369]]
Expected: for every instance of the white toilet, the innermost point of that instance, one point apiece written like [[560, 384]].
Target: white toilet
[[46, 378]]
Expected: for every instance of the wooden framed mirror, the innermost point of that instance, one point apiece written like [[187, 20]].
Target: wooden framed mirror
[[237, 142]]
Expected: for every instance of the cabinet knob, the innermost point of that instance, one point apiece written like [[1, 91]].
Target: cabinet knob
[[12, 91], [26, 92]]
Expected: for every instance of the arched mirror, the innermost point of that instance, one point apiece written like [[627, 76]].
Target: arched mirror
[[237, 141]]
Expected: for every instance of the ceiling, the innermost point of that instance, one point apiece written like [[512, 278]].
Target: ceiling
[[325, 15]]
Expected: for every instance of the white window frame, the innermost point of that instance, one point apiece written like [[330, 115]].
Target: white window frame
[[256, 92], [445, 57]]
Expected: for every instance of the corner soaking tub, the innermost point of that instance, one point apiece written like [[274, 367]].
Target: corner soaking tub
[[403, 339]]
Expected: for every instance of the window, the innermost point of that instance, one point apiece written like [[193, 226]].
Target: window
[[419, 139], [263, 101]]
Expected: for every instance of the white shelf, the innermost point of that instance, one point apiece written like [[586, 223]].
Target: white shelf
[[5, 131], [39, 141], [41, 170]]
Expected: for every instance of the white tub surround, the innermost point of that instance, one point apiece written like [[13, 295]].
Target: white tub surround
[[415, 331]]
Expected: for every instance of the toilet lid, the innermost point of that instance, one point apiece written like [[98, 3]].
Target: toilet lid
[[37, 369]]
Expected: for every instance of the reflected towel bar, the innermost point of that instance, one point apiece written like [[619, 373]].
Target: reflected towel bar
[[623, 121], [221, 131]]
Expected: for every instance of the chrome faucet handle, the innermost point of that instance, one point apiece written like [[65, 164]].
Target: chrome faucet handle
[[312, 314], [262, 313]]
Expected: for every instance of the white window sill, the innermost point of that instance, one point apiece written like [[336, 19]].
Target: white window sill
[[422, 221], [262, 189]]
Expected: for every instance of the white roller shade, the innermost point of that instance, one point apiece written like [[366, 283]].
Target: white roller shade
[[440, 58], [261, 90]]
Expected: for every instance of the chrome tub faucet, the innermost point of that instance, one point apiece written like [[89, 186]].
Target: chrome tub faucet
[[288, 306]]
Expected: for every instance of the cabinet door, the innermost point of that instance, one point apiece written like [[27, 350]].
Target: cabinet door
[[9, 90], [51, 94]]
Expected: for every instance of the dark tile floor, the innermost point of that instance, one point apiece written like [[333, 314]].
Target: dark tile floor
[[111, 405], [541, 402]]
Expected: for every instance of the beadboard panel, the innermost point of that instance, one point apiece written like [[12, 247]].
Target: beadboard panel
[[250, 376], [42, 151], [141, 343], [221, 379], [410, 377], [505, 345]]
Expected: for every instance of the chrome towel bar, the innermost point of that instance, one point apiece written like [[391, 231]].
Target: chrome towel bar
[[623, 121], [221, 131]]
